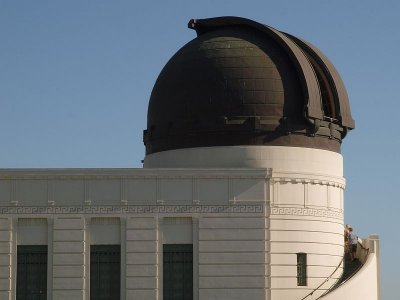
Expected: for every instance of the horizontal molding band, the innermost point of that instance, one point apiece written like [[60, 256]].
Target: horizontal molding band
[[332, 221], [305, 242], [236, 252], [235, 288], [312, 212], [308, 253], [235, 264], [232, 276], [299, 289], [308, 277], [132, 209], [306, 231], [125, 173], [140, 209], [308, 265]]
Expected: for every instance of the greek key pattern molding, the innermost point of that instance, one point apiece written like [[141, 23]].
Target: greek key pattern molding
[[131, 209], [313, 212]]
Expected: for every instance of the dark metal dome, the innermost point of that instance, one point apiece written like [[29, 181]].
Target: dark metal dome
[[243, 83]]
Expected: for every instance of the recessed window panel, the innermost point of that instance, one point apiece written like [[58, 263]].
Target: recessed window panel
[[105, 270], [32, 272], [177, 271]]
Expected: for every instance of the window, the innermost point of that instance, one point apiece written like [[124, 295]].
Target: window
[[32, 272], [105, 272], [177, 271], [301, 269]]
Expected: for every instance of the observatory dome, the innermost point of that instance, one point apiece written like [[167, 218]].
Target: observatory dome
[[240, 82]]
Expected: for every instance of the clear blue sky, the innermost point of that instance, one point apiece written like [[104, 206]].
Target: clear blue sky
[[76, 76]]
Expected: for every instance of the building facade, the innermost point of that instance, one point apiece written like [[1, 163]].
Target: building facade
[[240, 196]]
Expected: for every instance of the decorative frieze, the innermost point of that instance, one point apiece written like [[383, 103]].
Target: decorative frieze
[[313, 212], [132, 209]]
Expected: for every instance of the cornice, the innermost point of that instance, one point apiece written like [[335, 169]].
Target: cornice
[[66, 174]]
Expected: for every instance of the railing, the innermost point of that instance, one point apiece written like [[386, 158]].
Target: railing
[[361, 254], [326, 280]]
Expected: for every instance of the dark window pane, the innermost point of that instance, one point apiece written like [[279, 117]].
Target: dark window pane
[[301, 269], [32, 272], [105, 270], [178, 272]]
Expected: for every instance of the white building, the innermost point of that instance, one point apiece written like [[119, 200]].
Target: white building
[[240, 197]]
